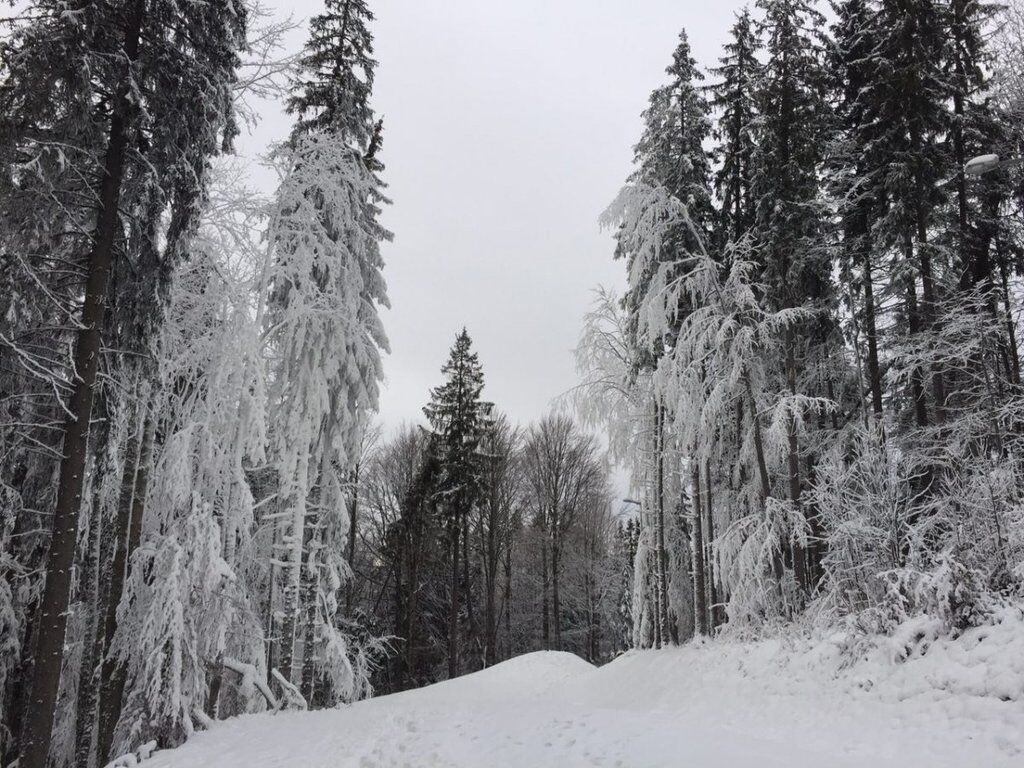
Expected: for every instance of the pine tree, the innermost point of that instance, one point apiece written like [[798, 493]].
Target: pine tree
[[860, 203], [789, 221], [336, 74], [903, 114], [327, 288], [671, 155], [733, 97], [459, 420]]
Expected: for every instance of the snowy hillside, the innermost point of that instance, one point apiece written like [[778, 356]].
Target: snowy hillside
[[718, 704]]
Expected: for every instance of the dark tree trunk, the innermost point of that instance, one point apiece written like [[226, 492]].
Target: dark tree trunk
[[662, 633], [916, 383], [556, 604], [52, 616], [492, 555], [472, 635], [699, 591], [89, 601], [309, 590], [508, 598], [870, 324], [545, 626], [793, 459], [1011, 332], [929, 303], [113, 673], [353, 520], [453, 606], [215, 675], [710, 556]]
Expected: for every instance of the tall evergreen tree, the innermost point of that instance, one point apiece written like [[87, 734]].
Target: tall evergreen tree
[[670, 155], [335, 83], [733, 97], [459, 419], [859, 203], [904, 115], [790, 221]]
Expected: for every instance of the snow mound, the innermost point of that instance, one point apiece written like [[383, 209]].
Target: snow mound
[[915, 700], [528, 676]]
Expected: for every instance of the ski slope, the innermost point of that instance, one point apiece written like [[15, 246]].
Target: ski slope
[[702, 706]]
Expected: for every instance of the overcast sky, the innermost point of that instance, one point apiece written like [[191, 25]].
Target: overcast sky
[[508, 129]]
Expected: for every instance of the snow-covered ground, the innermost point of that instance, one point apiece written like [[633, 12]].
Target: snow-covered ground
[[771, 703]]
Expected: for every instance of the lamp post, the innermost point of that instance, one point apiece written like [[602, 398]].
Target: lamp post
[[982, 164]]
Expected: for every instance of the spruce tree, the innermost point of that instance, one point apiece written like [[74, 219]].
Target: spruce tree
[[733, 97], [903, 115], [790, 223], [859, 201], [335, 83], [669, 155], [459, 420], [327, 288]]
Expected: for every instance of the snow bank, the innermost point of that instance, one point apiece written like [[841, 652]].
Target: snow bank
[[917, 697], [528, 676], [915, 700]]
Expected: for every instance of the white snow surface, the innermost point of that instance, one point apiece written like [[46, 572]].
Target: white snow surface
[[911, 700]]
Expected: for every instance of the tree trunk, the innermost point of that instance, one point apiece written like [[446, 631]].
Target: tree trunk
[[353, 520], [710, 554], [492, 555], [793, 459], [960, 88], [453, 606], [556, 604], [662, 633], [215, 676], [1011, 333], [508, 598], [291, 594], [929, 303], [755, 419], [90, 601], [52, 616], [545, 627], [916, 384], [309, 594], [113, 673], [699, 590], [871, 330], [472, 635]]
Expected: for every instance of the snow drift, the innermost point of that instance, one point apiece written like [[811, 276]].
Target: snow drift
[[911, 700]]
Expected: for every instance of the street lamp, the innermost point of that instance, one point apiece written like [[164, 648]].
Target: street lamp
[[982, 164]]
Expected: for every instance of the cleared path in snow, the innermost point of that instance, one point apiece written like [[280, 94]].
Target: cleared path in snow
[[722, 706]]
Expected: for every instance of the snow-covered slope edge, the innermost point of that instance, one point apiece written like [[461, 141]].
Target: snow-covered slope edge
[[779, 702], [917, 697]]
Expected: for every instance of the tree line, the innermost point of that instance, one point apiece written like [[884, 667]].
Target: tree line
[[814, 371], [478, 540]]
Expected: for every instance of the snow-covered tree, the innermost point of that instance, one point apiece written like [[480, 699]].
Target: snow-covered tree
[[733, 98], [459, 420]]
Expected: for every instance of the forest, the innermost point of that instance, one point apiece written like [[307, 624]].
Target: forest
[[812, 377]]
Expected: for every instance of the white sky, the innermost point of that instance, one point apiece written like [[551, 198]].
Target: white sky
[[508, 129]]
